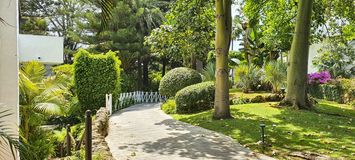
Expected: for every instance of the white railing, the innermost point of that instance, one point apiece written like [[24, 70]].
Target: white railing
[[109, 103], [126, 99]]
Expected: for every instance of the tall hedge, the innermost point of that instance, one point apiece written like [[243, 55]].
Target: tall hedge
[[177, 79], [340, 90], [95, 76]]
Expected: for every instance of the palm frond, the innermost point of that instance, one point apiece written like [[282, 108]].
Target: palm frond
[[28, 89], [106, 12], [50, 101], [34, 70], [48, 108], [209, 72]]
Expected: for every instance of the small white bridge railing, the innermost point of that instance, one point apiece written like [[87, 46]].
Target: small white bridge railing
[[127, 99]]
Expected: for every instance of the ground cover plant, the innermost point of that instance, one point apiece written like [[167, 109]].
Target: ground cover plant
[[329, 130], [239, 93]]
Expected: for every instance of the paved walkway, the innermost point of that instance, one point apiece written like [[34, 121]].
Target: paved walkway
[[144, 132]]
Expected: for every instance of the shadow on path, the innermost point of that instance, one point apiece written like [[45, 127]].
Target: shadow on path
[[145, 132]]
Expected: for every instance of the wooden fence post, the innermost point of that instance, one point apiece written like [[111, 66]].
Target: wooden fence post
[[88, 136]]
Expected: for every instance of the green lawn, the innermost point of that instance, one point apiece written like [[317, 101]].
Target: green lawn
[[330, 130]]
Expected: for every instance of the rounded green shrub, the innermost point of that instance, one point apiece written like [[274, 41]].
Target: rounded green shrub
[[95, 76], [195, 98], [177, 79]]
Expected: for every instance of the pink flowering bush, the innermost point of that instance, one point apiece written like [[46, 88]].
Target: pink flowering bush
[[319, 78]]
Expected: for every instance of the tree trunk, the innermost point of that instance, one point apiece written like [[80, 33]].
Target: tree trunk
[[246, 44], [163, 67], [223, 36], [139, 72], [297, 70], [193, 61], [145, 74]]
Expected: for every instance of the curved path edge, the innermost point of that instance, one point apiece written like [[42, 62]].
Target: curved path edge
[[144, 132]]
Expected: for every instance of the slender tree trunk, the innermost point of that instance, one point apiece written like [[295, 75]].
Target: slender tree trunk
[[246, 43], [139, 80], [297, 68], [223, 37], [145, 73], [193, 61], [163, 67]]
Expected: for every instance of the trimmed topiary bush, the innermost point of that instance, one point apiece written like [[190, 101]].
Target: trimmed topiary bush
[[195, 98], [95, 76], [177, 79]]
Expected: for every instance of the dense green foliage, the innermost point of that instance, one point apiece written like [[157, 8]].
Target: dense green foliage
[[41, 144], [337, 57], [195, 98], [40, 97], [177, 79], [329, 131], [187, 33], [276, 74], [340, 90], [169, 107], [95, 76], [275, 21], [132, 20], [155, 78]]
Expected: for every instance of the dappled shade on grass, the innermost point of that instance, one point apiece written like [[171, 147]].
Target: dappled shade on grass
[[330, 130]]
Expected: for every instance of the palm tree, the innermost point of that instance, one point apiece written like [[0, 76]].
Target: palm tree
[[38, 96], [149, 16], [275, 73]]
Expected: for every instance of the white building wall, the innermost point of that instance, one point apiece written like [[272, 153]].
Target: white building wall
[[45, 49], [313, 52], [9, 65]]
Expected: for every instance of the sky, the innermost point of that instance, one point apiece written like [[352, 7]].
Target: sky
[[235, 43]]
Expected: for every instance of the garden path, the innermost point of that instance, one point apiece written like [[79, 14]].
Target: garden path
[[144, 132]]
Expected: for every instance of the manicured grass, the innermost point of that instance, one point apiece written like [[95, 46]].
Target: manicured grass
[[330, 130]]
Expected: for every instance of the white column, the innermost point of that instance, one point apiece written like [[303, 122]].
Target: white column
[[9, 64]]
